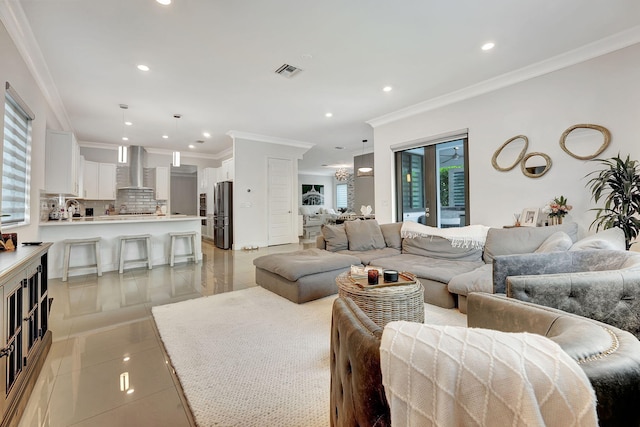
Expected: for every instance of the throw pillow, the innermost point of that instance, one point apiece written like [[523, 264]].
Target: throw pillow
[[364, 235], [335, 237], [391, 233], [612, 238], [305, 210], [557, 242]]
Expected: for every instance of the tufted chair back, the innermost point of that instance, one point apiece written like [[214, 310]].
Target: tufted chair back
[[357, 394]]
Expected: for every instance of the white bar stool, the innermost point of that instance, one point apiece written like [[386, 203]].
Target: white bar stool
[[123, 245], [192, 235], [68, 243]]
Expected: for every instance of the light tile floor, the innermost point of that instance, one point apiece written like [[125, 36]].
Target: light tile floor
[[106, 366]]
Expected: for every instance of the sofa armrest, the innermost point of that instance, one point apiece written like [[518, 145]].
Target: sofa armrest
[[526, 264], [611, 297]]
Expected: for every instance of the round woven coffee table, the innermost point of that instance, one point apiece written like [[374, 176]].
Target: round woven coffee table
[[385, 304]]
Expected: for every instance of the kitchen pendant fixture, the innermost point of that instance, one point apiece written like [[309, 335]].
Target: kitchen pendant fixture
[[123, 154], [364, 170], [342, 174], [176, 154], [122, 150]]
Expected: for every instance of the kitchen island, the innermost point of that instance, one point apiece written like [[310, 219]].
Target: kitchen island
[[110, 228]]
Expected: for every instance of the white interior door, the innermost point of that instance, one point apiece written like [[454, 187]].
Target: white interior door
[[280, 215]]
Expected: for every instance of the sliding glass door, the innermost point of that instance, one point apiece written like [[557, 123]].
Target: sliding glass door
[[432, 183]]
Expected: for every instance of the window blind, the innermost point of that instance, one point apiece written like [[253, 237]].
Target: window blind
[[341, 196], [15, 161]]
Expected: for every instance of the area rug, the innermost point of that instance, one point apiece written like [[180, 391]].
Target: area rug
[[252, 358]]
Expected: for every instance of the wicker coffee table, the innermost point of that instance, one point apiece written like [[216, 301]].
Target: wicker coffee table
[[385, 304]]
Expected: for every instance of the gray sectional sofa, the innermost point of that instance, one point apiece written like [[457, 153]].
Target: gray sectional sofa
[[448, 273]]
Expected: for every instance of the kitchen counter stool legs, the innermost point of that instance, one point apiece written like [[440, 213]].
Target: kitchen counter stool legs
[[68, 243], [123, 247], [191, 235]]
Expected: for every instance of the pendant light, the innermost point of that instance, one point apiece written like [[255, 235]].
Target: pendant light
[[342, 174], [176, 154], [123, 149], [364, 169]]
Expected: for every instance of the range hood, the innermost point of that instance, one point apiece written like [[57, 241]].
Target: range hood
[[137, 160]]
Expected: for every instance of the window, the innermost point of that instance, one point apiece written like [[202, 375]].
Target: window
[[16, 159], [341, 196]]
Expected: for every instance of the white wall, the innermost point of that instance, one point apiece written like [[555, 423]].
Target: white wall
[[603, 91], [250, 209], [329, 188], [14, 70]]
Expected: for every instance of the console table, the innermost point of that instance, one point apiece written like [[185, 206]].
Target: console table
[[24, 326]]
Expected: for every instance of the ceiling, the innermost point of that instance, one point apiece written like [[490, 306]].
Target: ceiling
[[214, 62]]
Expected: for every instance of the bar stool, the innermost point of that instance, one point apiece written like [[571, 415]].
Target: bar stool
[[194, 251], [123, 245], [68, 243]]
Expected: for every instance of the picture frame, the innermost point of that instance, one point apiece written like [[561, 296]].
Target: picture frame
[[529, 217]]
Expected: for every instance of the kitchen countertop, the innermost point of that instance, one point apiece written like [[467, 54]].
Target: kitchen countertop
[[111, 219]]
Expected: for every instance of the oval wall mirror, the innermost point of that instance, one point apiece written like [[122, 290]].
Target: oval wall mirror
[[494, 159], [534, 165], [587, 135]]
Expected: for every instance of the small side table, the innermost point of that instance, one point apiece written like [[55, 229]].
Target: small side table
[[385, 304]]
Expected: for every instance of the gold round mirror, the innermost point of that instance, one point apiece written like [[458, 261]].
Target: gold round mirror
[[533, 167], [494, 159], [586, 135]]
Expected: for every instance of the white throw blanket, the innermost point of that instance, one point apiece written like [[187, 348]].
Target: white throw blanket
[[454, 376], [471, 236]]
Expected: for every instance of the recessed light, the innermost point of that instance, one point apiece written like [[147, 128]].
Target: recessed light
[[192, 146], [124, 138], [165, 136], [128, 123], [387, 89], [143, 67], [164, 2], [126, 359], [130, 391], [206, 134], [329, 115], [488, 46]]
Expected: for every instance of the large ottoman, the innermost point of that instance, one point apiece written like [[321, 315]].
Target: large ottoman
[[302, 276]]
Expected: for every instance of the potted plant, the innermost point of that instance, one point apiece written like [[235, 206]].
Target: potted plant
[[618, 185]]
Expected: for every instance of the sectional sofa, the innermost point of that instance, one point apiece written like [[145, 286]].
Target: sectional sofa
[[447, 272]]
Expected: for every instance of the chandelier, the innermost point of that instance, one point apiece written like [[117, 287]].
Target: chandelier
[[342, 174]]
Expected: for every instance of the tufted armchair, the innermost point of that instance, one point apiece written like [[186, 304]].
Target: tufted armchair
[[603, 285], [609, 357]]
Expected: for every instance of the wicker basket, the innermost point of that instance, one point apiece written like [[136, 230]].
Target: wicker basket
[[385, 304]]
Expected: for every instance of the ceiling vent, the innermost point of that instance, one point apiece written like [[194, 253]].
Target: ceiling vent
[[288, 71], [200, 141]]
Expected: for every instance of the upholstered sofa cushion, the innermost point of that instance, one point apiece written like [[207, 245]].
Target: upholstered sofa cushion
[[478, 280], [557, 242], [335, 237], [369, 257], [293, 265], [522, 240], [437, 269], [440, 248], [612, 238], [364, 235]]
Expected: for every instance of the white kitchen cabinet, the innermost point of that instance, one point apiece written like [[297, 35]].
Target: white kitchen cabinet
[[99, 180], [162, 183], [106, 181], [62, 164], [226, 171]]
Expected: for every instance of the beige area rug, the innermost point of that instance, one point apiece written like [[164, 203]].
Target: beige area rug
[[252, 358]]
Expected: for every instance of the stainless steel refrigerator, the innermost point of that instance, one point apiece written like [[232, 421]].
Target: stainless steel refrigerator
[[223, 215]]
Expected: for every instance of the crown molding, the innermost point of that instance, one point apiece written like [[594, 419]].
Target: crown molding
[[151, 150], [269, 139], [15, 21], [592, 50]]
